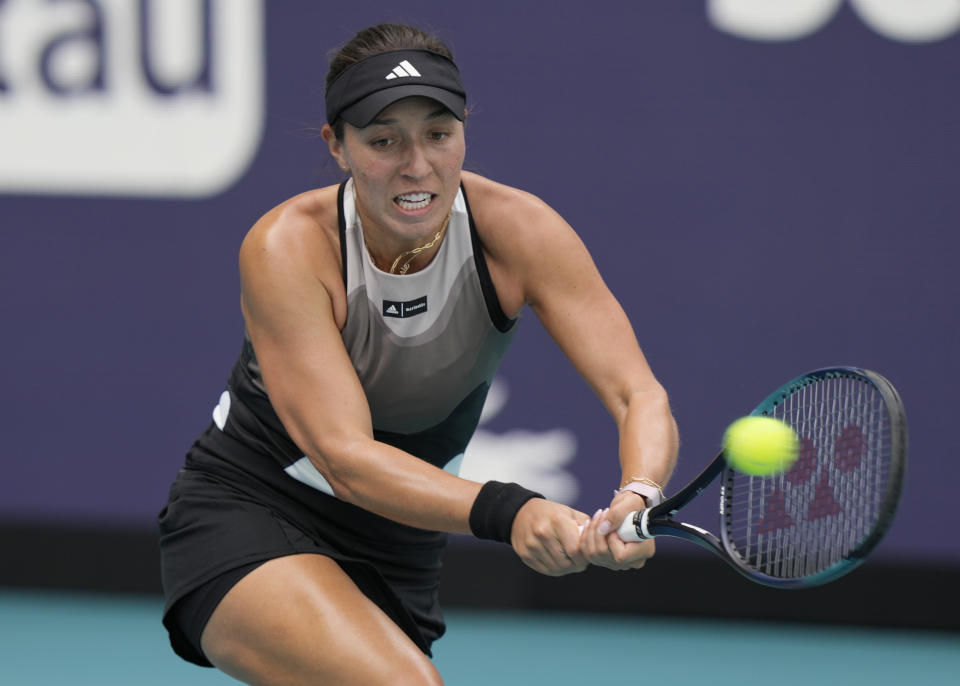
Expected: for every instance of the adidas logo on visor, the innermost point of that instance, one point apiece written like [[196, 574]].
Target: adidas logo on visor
[[404, 69]]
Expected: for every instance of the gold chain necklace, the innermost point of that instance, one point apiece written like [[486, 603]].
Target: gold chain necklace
[[405, 267]]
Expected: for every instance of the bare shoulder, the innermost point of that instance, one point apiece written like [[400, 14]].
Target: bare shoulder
[[298, 240], [305, 221], [522, 236], [498, 208]]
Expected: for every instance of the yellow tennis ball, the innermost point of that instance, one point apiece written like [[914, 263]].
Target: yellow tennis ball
[[760, 446]]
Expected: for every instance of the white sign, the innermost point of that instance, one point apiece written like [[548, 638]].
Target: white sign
[[129, 97], [907, 21]]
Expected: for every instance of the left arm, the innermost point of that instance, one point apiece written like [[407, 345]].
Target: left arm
[[547, 265], [576, 307], [582, 315]]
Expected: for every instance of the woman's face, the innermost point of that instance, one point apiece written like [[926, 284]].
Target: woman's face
[[406, 167]]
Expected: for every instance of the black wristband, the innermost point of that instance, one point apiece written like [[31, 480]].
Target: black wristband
[[495, 508]]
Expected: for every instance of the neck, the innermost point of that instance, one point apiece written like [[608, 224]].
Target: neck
[[400, 257], [401, 265]]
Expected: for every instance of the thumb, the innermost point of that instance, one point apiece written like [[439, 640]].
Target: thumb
[[606, 526], [615, 516]]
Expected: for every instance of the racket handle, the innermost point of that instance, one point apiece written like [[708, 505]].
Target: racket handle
[[629, 530]]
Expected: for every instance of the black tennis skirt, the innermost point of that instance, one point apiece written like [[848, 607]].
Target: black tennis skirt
[[232, 508]]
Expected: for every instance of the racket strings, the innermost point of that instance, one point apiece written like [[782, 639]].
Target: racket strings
[[821, 510]]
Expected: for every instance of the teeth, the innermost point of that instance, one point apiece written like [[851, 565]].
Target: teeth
[[413, 201]]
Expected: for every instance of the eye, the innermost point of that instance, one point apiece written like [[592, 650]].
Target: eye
[[382, 142], [438, 135]]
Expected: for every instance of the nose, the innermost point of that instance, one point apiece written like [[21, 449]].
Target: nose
[[416, 165]]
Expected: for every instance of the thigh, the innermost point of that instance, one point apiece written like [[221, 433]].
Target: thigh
[[300, 619]]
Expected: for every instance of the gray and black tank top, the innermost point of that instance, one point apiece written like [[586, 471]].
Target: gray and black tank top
[[425, 347]]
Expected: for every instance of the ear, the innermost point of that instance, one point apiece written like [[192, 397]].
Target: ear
[[336, 147]]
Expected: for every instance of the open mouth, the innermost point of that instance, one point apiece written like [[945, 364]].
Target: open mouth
[[411, 202]]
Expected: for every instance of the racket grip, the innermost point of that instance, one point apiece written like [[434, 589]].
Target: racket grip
[[629, 530]]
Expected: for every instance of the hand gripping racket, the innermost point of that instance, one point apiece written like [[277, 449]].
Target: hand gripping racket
[[818, 520]]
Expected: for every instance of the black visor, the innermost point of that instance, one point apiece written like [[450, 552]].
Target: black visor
[[364, 89]]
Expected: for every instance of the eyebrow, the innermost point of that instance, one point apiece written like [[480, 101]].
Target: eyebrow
[[436, 114]]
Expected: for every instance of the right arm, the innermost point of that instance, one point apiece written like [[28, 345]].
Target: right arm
[[288, 275]]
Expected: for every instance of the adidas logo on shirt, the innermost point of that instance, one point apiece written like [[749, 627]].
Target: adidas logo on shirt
[[410, 308], [404, 69]]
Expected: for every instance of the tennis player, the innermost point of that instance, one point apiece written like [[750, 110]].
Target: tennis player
[[302, 541]]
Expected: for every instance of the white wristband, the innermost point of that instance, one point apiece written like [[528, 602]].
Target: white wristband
[[651, 494]]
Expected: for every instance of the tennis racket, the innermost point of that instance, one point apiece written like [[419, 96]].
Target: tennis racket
[[819, 519]]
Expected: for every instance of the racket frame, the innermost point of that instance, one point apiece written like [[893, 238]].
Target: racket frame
[[659, 520]]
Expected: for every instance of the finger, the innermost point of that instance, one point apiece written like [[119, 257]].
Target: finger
[[630, 555], [561, 549], [586, 527], [594, 545], [588, 534], [581, 518], [607, 524], [548, 553], [569, 540], [554, 562], [536, 558], [623, 505], [583, 524]]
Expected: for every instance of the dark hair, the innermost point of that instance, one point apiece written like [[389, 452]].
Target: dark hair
[[375, 40]]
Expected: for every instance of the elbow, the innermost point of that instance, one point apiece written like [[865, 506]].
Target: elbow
[[337, 460]]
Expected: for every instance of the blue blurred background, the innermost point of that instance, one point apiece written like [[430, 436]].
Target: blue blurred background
[[768, 188]]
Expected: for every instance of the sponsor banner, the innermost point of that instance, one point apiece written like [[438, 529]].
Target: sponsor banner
[[907, 21], [129, 97]]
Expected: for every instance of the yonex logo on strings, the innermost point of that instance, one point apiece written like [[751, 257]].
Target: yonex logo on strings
[[402, 70], [786, 503]]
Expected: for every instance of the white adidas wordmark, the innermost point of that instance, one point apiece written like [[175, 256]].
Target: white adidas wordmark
[[403, 69]]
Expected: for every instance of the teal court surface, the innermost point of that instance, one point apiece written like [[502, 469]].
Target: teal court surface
[[70, 639]]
